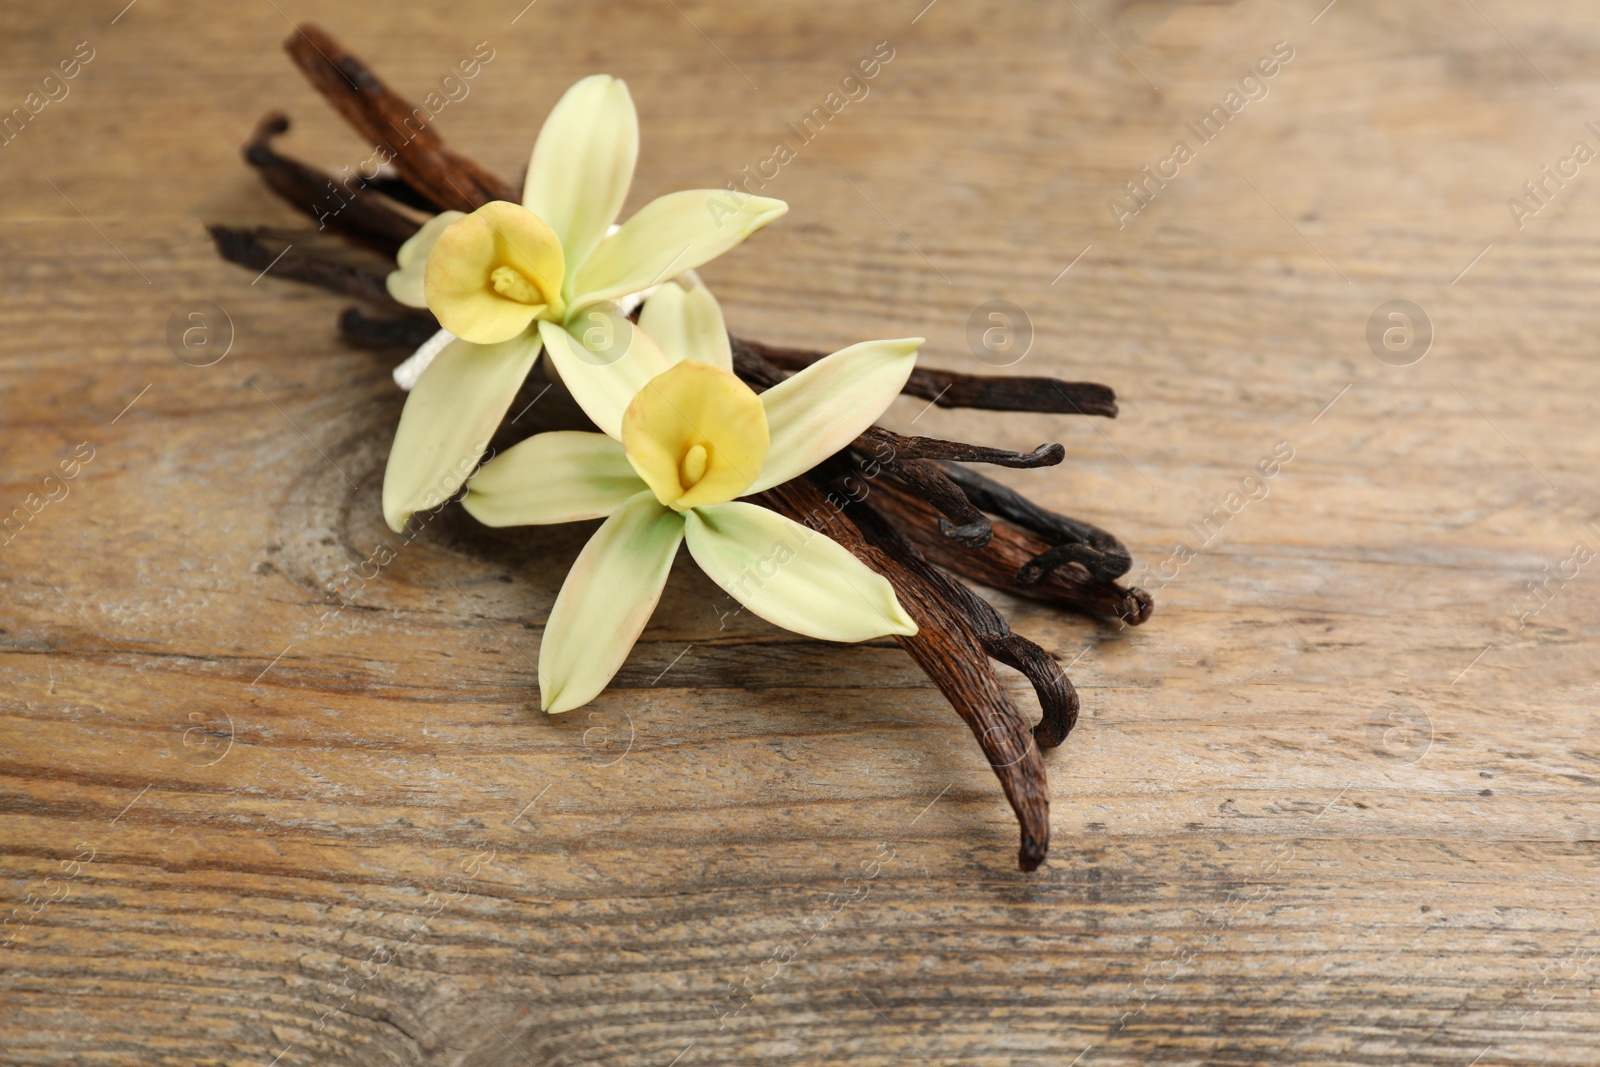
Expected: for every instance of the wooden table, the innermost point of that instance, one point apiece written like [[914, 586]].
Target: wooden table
[[1333, 804]]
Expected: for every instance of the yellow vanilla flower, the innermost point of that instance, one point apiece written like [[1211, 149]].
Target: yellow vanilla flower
[[510, 279], [684, 438]]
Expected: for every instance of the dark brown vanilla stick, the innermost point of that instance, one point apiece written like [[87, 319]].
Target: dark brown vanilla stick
[[958, 519], [261, 248], [997, 563], [257, 248], [366, 331], [357, 211], [933, 448], [1057, 698], [1074, 542], [393, 186], [950, 652], [399, 132], [949, 389], [382, 333]]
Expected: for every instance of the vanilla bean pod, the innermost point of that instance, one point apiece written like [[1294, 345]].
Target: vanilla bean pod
[[396, 129], [997, 563], [958, 519], [448, 180], [390, 184], [262, 248], [950, 652], [887, 449], [1058, 700], [952, 389], [935, 448], [1099, 552], [368, 219], [384, 334]]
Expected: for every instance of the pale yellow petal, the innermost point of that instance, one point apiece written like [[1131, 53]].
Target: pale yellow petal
[[582, 163], [668, 236], [606, 601], [687, 324], [447, 422], [552, 477], [491, 272], [696, 434], [820, 410], [405, 283], [793, 576], [604, 360]]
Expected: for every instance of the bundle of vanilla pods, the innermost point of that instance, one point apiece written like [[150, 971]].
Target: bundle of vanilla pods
[[906, 506]]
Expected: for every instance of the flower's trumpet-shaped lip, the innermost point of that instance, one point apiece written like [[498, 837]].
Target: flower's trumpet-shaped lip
[[696, 434], [491, 273]]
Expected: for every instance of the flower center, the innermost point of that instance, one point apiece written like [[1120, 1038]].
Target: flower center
[[696, 434], [693, 467], [513, 285], [491, 273]]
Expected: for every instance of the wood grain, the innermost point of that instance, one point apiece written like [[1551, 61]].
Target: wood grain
[[1334, 803]]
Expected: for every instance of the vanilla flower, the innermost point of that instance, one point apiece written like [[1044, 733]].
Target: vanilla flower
[[684, 438], [508, 279]]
